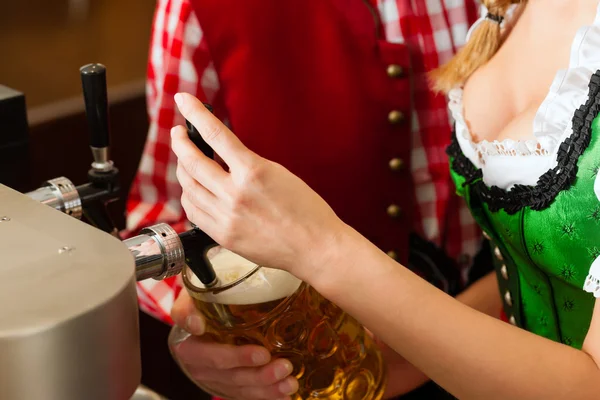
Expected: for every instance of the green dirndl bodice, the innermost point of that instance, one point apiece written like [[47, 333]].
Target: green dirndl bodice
[[545, 237]]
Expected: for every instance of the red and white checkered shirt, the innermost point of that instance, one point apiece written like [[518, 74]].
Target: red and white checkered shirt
[[180, 62]]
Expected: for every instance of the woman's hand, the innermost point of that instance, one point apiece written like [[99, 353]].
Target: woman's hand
[[257, 208], [236, 372]]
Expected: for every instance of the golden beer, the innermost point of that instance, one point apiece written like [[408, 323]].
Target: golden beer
[[332, 355]]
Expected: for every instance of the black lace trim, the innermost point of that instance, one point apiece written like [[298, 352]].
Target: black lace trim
[[551, 183]]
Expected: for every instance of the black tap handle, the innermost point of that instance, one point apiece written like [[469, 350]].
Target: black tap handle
[[93, 80], [195, 245], [195, 136], [208, 107]]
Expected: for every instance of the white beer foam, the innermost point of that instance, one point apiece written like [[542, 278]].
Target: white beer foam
[[265, 285]]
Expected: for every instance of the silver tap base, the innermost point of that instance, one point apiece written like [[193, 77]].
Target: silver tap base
[[148, 254], [158, 252], [60, 194], [69, 320]]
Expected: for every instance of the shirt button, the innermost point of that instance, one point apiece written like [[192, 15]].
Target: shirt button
[[394, 211], [395, 117], [512, 320], [394, 71], [498, 254], [504, 271], [393, 255], [508, 298], [396, 164]]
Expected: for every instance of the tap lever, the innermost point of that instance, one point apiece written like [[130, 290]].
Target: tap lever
[[195, 136], [195, 245], [93, 80]]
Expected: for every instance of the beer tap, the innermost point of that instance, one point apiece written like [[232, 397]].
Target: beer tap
[[103, 185], [90, 199], [159, 251]]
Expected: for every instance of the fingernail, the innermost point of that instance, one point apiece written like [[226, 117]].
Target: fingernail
[[283, 369], [260, 357], [194, 325], [179, 100], [289, 386]]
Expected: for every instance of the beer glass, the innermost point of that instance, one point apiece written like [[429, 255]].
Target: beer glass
[[332, 355]]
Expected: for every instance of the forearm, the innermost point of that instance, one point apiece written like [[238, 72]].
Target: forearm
[[470, 354], [404, 377]]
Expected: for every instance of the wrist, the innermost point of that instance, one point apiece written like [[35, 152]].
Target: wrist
[[334, 259]]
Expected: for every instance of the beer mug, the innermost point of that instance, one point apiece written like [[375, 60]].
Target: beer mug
[[332, 355]]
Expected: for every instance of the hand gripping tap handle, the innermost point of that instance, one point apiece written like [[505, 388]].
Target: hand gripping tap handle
[[93, 80], [195, 242]]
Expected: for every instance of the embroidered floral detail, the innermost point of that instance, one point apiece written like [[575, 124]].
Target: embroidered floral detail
[[594, 170], [552, 182], [537, 288], [538, 248], [543, 320], [567, 340], [568, 272], [509, 148], [594, 252], [568, 305], [595, 214], [568, 230]]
